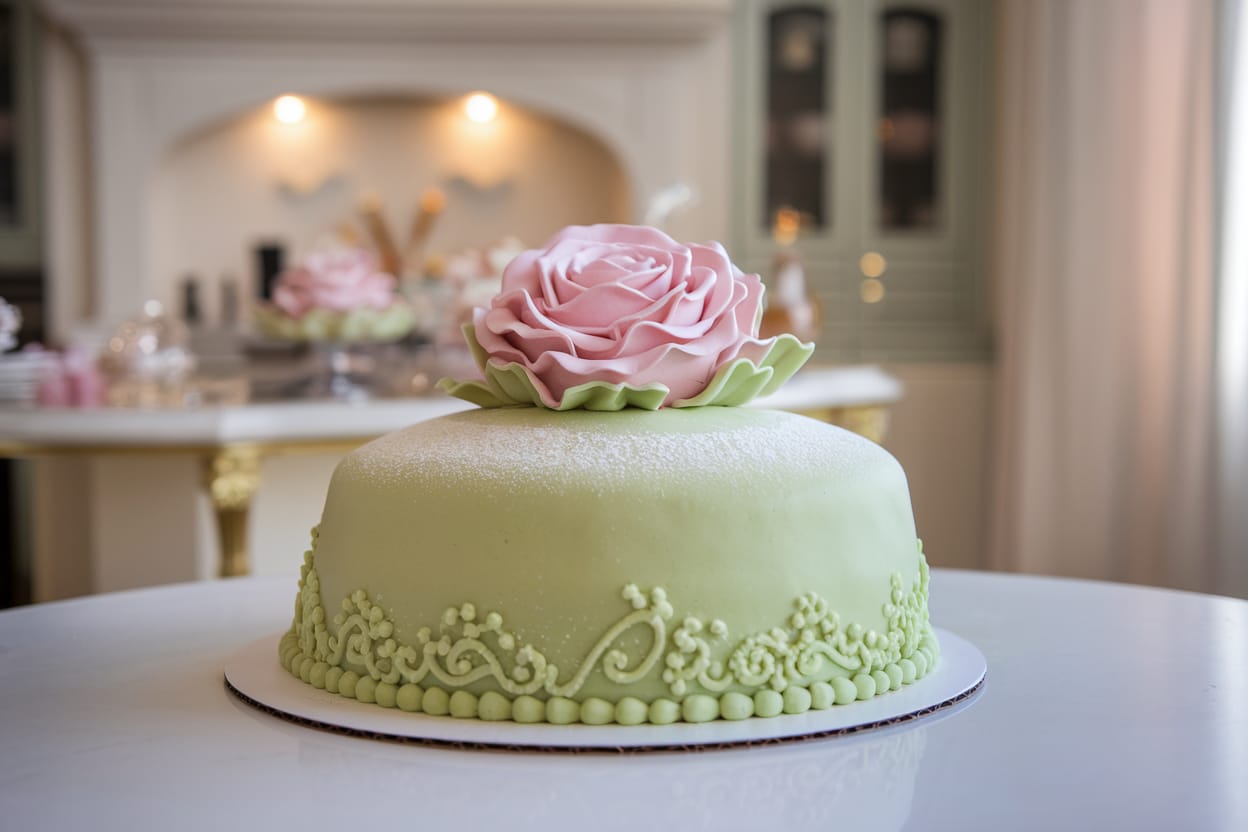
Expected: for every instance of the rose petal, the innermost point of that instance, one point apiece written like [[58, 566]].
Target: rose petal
[[597, 309], [652, 279], [683, 373], [532, 320], [523, 274], [559, 289], [499, 330], [714, 259], [657, 314], [747, 308], [622, 305], [620, 235]]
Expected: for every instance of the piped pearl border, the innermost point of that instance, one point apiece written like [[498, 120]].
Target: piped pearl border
[[495, 707]]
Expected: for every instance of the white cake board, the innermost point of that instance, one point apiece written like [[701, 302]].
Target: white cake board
[[255, 675]]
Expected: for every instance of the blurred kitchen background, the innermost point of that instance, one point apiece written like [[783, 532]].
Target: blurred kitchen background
[[1009, 225]]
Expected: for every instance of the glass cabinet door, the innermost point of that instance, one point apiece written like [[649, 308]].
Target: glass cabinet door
[[925, 97], [911, 43], [793, 125], [919, 271], [798, 166]]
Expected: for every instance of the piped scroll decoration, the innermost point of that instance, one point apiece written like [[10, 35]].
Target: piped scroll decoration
[[471, 646], [801, 652]]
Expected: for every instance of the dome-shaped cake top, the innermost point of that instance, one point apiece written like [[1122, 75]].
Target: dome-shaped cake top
[[613, 316]]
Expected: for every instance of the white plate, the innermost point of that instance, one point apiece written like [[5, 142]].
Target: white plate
[[255, 674]]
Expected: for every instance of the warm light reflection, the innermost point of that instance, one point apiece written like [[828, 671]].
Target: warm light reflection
[[289, 109], [872, 264], [871, 291], [481, 107], [785, 227]]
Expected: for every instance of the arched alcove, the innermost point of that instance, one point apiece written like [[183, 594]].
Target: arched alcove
[[577, 105], [235, 182]]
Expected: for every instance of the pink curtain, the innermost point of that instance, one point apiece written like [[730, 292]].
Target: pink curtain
[[1105, 291]]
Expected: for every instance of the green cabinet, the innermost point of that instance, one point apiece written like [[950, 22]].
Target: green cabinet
[[20, 208], [868, 121]]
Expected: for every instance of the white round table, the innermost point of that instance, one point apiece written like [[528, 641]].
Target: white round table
[[1105, 707]]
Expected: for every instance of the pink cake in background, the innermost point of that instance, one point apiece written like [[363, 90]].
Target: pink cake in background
[[336, 295]]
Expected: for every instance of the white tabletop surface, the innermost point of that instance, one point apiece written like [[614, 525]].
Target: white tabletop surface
[[810, 389], [1105, 707]]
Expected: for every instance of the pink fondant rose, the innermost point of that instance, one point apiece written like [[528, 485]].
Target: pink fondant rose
[[339, 280], [622, 305]]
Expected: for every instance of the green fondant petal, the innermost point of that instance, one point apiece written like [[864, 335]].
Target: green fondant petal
[[734, 384], [479, 355], [598, 395], [515, 382], [742, 380], [785, 358], [475, 392], [507, 385]]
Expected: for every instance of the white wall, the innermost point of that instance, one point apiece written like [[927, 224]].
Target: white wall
[[282, 518], [60, 528], [940, 434]]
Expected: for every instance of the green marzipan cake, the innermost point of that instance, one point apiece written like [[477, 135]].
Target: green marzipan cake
[[626, 567]]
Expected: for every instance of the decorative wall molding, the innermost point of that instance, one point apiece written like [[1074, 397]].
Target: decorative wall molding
[[651, 81], [476, 21]]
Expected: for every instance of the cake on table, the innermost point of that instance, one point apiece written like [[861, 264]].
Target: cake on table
[[612, 537], [336, 295]]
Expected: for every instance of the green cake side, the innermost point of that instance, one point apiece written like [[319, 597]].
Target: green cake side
[[621, 567]]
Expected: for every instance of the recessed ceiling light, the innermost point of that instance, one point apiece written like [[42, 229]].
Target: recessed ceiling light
[[289, 109], [481, 107]]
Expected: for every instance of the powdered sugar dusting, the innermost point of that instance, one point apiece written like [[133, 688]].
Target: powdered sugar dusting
[[531, 448]]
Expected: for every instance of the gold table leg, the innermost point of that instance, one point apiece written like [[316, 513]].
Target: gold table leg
[[231, 477], [870, 421]]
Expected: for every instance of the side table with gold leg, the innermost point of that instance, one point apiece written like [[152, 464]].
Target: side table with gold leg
[[225, 446], [870, 421], [231, 478]]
